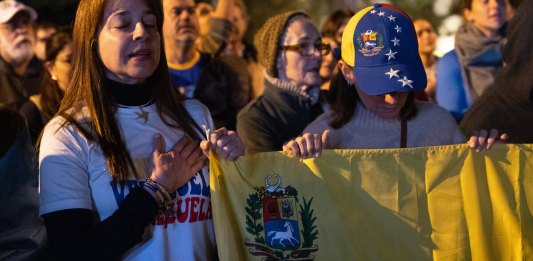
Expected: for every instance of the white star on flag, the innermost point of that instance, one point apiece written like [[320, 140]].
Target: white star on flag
[[393, 73], [398, 29], [373, 11], [406, 81], [381, 14], [396, 41], [392, 18], [391, 54]]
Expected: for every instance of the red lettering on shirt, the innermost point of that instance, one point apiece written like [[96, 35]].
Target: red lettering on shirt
[[191, 209]]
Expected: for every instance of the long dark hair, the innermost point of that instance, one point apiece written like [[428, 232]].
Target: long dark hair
[[343, 98], [51, 94], [86, 89], [334, 21]]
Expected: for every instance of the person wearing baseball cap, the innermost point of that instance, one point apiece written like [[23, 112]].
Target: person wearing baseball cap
[[372, 91], [20, 72], [9, 8], [25, 236]]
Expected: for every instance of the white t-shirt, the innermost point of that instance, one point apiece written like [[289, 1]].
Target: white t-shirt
[[74, 174]]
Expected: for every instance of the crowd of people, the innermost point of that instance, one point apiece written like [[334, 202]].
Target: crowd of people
[[107, 125]]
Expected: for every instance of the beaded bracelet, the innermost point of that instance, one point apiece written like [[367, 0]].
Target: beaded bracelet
[[161, 188], [155, 189], [167, 201]]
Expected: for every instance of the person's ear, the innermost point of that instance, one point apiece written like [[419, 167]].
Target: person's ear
[[347, 72], [468, 15], [49, 66]]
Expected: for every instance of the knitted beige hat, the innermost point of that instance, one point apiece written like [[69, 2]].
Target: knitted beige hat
[[268, 40]]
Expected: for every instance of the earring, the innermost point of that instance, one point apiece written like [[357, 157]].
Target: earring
[[93, 46], [349, 81], [54, 77]]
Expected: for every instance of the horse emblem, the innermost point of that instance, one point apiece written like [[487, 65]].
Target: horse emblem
[[284, 235], [370, 43], [280, 222], [275, 223]]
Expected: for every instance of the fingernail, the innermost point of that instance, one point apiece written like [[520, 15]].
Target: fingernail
[[317, 154], [478, 148]]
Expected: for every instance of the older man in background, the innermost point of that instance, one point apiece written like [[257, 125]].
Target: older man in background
[[20, 72], [199, 75]]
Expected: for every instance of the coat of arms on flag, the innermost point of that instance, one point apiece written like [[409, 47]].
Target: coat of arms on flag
[[281, 227], [370, 43], [427, 203]]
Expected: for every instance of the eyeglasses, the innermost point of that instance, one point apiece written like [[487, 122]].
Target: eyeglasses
[[307, 49]]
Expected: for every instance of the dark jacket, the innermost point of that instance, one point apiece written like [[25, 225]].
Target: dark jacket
[[14, 89], [22, 232], [507, 105], [273, 118], [34, 118], [219, 89]]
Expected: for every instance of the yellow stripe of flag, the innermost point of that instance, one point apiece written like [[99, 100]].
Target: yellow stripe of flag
[[434, 203]]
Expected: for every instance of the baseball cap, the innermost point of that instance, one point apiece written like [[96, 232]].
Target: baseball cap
[[380, 43], [8, 9]]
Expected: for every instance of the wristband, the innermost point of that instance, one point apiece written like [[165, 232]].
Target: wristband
[[167, 201], [153, 188]]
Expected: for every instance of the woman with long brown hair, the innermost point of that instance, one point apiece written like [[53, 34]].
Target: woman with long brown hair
[[108, 190]]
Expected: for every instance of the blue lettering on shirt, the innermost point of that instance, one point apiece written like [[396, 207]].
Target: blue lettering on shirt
[[119, 188], [192, 187]]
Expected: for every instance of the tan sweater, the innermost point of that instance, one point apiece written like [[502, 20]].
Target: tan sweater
[[432, 126]]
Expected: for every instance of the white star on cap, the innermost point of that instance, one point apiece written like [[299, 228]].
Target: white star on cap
[[391, 54], [393, 73], [392, 18], [406, 81], [373, 11], [398, 29], [381, 13], [396, 41]]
